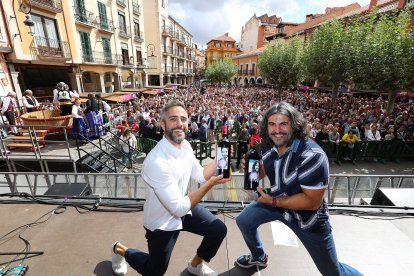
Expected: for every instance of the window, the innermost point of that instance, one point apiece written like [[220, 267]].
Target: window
[[253, 65], [267, 28], [121, 22], [163, 3], [106, 46], [281, 28], [46, 32], [139, 57], [102, 15], [137, 31], [86, 47], [125, 54], [218, 44]]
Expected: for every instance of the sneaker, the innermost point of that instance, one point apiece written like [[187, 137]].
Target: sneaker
[[201, 270], [119, 265], [246, 261]]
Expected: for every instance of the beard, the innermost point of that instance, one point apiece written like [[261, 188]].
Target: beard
[[284, 141], [170, 134]]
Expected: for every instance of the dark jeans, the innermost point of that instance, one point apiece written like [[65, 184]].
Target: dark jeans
[[321, 247], [161, 243]]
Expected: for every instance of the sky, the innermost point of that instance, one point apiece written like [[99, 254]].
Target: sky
[[207, 19]]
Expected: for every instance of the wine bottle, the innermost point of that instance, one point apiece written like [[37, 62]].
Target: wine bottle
[[251, 174], [223, 158]]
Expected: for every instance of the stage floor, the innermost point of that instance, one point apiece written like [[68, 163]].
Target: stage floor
[[79, 244]]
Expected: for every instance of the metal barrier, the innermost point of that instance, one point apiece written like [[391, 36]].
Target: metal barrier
[[342, 189]]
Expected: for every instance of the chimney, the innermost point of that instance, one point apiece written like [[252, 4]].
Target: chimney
[[401, 4], [372, 4], [226, 34]]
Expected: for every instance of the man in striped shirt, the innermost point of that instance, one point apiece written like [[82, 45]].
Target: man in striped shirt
[[298, 171]]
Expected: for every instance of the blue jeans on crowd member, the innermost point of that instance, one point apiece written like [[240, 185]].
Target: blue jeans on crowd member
[[126, 156], [161, 243], [321, 247]]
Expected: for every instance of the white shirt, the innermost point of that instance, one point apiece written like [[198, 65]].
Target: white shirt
[[166, 173], [6, 103], [75, 112], [131, 142], [27, 104], [372, 137]]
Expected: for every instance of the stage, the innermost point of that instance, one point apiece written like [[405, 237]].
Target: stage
[[79, 244]]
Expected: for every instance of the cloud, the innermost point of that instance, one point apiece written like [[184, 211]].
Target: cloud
[[207, 19]]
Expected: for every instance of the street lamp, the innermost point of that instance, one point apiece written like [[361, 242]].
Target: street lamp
[[152, 59], [27, 22]]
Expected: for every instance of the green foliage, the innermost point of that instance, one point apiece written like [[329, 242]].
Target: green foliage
[[280, 63], [221, 71], [382, 52], [326, 57]]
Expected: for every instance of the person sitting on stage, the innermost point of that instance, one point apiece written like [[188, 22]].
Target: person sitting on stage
[[30, 102], [62, 97], [79, 130]]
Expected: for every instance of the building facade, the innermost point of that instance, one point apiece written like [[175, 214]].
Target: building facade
[[5, 48], [111, 38], [255, 31], [44, 54], [248, 72], [98, 46], [220, 48], [169, 44]]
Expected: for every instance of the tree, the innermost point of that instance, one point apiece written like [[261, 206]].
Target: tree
[[326, 57], [383, 53], [221, 71], [280, 64]]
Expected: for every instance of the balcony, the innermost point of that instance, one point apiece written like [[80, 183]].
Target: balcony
[[167, 50], [106, 26], [127, 62], [251, 72], [124, 31], [135, 9], [180, 55], [49, 5], [138, 37], [245, 71], [101, 58], [84, 17], [121, 3], [240, 72], [166, 31], [50, 49]]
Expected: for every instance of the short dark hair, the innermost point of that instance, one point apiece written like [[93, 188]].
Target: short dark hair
[[297, 121], [168, 106]]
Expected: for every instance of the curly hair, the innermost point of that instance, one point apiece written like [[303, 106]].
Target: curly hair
[[297, 122]]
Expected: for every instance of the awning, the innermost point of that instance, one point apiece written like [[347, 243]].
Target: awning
[[151, 92]]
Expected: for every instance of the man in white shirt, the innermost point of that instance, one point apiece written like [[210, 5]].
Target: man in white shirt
[[7, 110], [373, 134], [168, 208], [30, 102]]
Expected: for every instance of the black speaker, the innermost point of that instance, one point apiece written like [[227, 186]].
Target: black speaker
[[393, 197], [69, 189]]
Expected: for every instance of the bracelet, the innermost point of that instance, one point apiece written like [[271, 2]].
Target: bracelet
[[274, 202]]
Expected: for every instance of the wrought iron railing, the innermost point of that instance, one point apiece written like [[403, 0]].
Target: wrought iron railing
[[135, 9], [52, 5], [52, 48], [124, 31], [84, 16], [101, 58], [106, 25]]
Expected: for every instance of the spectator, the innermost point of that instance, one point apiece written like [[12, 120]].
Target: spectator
[[8, 107], [203, 131], [128, 144], [30, 102]]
